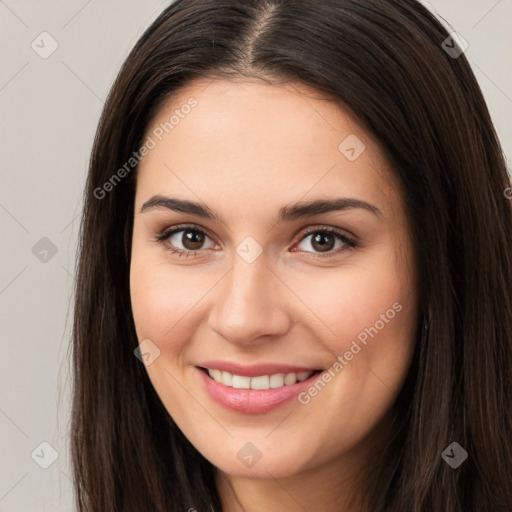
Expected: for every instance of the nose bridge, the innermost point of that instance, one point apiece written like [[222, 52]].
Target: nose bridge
[[248, 306]]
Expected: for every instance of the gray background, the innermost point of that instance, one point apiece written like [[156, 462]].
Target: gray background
[[49, 110]]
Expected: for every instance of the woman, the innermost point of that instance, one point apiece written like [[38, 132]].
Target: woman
[[294, 279]]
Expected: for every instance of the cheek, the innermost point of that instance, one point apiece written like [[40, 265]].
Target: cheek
[[160, 294], [368, 316], [160, 300], [377, 293], [150, 299]]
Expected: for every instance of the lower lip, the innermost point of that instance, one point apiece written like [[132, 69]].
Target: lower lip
[[253, 401]]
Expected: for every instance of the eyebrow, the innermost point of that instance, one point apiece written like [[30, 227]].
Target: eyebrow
[[286, 213]]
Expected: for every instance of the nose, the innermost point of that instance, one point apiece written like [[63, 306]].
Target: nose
[[251, 304]]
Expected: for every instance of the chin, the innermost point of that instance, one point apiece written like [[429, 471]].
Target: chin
[[257, 460]]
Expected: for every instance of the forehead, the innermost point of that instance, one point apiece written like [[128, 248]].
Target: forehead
[[268, 142]]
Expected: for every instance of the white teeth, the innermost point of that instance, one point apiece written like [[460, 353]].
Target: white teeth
[[291, 378], [215, 374], [262, 382], [277, 380], [227, 379], [303, 376], [241, 382]]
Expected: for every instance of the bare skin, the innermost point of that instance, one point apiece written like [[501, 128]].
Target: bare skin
[[246, 150]]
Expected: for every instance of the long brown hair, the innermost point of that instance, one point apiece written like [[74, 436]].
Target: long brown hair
[[385, 61]]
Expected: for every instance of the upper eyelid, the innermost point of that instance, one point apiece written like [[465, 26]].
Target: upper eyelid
[[320, 227], [166, 232]]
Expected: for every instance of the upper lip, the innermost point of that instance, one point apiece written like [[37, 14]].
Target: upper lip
[[253, 370]]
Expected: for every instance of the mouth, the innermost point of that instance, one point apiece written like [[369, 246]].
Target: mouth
[[259, 382], [257, 393]]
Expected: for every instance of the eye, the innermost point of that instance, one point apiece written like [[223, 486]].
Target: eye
[[324, 241], [190, 238], [192, 241]]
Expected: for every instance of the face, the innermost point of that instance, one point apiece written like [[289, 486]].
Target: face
[[272, 276]]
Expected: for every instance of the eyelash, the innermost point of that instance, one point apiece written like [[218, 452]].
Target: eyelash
[[167, 233]]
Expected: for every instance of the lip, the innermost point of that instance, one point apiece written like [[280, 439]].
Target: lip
[[253, 401], [254, 370]]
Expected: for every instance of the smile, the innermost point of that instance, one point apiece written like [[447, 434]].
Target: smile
[[266, 387], [276, 380]]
